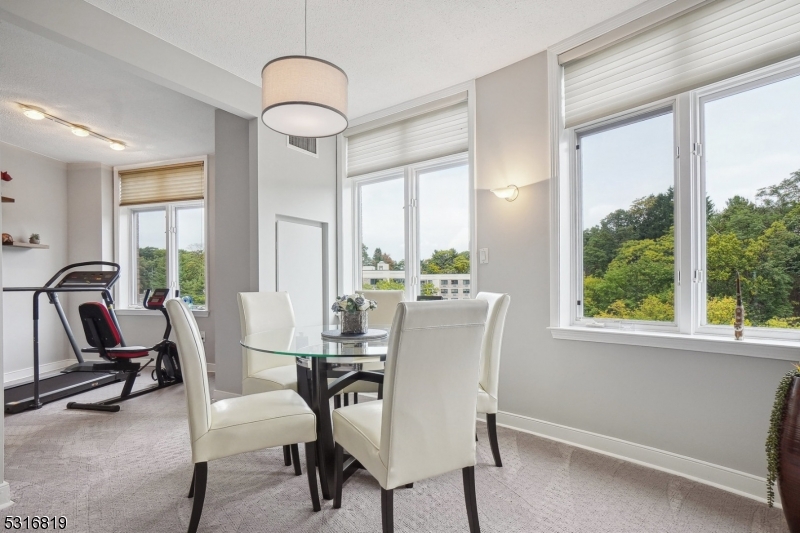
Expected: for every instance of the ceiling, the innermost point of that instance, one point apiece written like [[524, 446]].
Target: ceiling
[[393, 51], [156, 123]]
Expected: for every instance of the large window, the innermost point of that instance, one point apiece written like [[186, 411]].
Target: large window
[[675, 200], [751, 166], [414, 228], [627, 173], [162, 232]]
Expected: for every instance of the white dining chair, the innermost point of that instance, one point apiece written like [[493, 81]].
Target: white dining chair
[[382, 316], [387, 305], [263, 372], [425, 424], [490, 364], [235, 425]]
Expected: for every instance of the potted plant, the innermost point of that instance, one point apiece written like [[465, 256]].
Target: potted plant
[[353, 312], [783, 448], [34, 238]]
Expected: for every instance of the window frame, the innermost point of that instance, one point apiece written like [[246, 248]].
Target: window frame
[[410, 176], [619, 120], [124, 239], [689, 330], [717, 91]]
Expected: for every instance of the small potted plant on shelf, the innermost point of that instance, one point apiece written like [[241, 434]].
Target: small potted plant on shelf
[[783, 448], [353, 312], [34, 238]]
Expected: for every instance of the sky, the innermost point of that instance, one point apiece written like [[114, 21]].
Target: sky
[[152, 228], [752, 140], [443, 201]]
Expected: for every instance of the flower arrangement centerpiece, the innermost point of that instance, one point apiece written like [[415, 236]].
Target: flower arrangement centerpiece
[[353, 312]]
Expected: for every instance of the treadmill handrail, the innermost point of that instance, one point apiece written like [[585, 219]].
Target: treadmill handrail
[[67, 268]]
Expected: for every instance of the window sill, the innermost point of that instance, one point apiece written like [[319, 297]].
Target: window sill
[[145, 312], [762, 348]]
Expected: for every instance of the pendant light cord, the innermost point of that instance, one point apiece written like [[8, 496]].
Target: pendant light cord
[[305, 27]]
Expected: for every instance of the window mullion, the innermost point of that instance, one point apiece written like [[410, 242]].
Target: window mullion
[[172, 248], [411, 244], [686, 238]]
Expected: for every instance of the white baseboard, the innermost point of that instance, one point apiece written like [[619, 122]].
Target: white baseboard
[[211, 367], [721, 477], [27, 373], [223, 395], [5, 495]]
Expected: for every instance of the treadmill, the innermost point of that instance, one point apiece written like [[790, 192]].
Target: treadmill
[[81, 376]]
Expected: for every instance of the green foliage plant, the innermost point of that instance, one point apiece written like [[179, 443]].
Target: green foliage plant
[[775, 429]]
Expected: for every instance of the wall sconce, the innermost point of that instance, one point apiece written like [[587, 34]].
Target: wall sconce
[[509, 192]]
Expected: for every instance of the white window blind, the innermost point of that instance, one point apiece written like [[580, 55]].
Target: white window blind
[[427, 136], [716, 41], [171, 183]]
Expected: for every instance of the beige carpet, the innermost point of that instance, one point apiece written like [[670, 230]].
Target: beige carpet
[[130, 471]]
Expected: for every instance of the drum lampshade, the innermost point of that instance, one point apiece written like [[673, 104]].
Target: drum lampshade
[[304, 96]]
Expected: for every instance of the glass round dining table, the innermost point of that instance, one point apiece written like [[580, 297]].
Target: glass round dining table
[[324, 369]]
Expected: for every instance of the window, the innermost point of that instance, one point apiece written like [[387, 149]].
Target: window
[[162, 231], [454, 291], [421, 244], [445, 291], [466, 282], [650, 182], [627, 173], [751, 169], [465, 291]]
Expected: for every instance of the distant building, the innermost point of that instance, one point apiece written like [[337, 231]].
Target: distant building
[[448, 286]]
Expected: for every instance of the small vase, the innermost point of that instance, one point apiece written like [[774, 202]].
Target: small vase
[[789, 477], [354, 323], [33, 241]]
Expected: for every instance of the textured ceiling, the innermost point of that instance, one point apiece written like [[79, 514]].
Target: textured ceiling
[[156, 123], [392, 50]]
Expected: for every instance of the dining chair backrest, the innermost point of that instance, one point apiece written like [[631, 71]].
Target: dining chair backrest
[[429, 401], [387, 305], [493, 339], [259, 311], [192, 357]]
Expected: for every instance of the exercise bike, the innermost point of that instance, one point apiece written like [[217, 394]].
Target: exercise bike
[[104, 337]]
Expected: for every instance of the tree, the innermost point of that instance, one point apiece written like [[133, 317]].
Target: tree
[[428, 289], [446, 262], [366, 260], [384, 285]]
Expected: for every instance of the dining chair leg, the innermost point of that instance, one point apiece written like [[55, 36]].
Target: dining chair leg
[[337, 401], [311, 467], [491, 422], [346, 399], [200, 478], [355, 398], [287, 456], [471, 500], [296, 459], [387, 510], [409, 485], [380, 391], [338, 475], [191, 487]]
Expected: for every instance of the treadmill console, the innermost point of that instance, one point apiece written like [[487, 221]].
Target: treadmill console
[[157, 298], [102, 279]]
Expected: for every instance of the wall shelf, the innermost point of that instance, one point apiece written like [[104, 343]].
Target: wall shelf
[[26, 245], [7, 200]]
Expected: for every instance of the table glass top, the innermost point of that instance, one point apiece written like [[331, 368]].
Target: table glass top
[[306, 341]]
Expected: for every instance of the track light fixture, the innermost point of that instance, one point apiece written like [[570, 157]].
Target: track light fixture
[[37, 113]]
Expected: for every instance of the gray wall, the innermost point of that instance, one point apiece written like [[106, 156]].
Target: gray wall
[[230, 273], [40, 189], [711, 407]]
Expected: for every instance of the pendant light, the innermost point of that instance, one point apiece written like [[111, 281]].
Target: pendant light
[[304, 96]]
